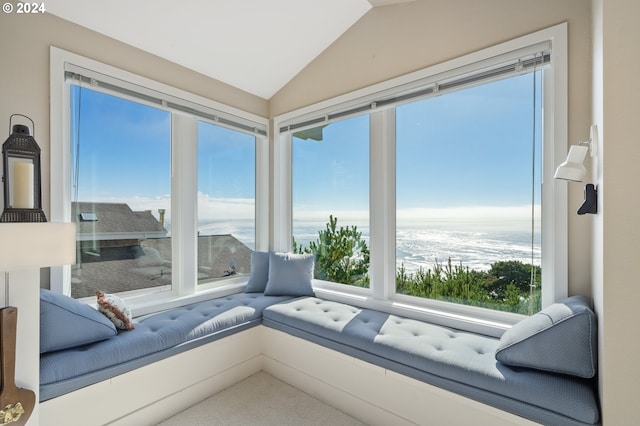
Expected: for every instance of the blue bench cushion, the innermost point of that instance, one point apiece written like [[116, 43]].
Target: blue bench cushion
[[561, 338], [461, 362], [155, 337]]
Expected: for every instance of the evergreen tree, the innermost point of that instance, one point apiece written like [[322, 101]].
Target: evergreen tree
[[504, 273], [342, 255]]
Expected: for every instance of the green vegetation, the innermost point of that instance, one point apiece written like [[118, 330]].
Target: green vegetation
[[342, 256], [503, 287]]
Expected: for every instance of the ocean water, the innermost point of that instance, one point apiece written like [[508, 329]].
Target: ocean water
[[472, 247], [475, 244]]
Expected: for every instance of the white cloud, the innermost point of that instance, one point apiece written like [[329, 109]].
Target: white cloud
[[209, 208], [421, 214], [318, 215], [470, 212]]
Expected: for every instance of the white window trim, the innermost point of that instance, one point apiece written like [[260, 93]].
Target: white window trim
[[185, 288], [382, 205]]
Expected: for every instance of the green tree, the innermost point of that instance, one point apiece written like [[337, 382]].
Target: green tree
[[514, 272], [342, 255], [510, 291], [451, 282]]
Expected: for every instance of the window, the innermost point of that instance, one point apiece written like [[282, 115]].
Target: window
[[161, 184], [468, 191], [88, 217], [331, 199], [457, 156], [121, 194], [226, 202]]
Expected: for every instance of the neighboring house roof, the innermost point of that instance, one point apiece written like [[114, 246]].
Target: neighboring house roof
[[113, 221], [218, 257], [146, 262], [217, 254]]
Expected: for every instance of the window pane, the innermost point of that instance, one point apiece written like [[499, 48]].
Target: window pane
[[121, 185], [226, 202], [468, 183], [330, 174]]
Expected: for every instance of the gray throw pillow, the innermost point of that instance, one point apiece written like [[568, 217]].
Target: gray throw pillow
[[290, 275], [561, 338], [259, 272], [66, 323]]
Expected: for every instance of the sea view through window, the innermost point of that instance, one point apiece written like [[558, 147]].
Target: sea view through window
[[467, 195]]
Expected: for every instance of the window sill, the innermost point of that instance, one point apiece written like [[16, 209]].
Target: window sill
[[171, 301], [144, 302]]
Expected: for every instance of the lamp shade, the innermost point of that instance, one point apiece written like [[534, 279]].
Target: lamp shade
[[36, 245], [573, 168]]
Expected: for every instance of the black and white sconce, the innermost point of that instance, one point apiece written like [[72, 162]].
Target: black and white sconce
[[21, 176], [573, 170]]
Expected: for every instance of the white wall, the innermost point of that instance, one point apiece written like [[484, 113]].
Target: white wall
[[616, 233]]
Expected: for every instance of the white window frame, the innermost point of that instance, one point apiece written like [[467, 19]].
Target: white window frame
[[185, 287], [382, 187]]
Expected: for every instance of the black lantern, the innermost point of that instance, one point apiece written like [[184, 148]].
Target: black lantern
[[21, 176]]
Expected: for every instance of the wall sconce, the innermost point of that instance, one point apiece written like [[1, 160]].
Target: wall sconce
[[573, 170], [21, 176]]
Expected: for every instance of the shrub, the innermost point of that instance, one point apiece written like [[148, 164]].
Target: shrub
[[342, 255]]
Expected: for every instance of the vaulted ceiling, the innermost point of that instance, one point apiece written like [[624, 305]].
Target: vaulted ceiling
[[255, 45]]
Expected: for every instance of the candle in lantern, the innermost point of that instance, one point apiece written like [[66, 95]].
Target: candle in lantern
[[22, 185]]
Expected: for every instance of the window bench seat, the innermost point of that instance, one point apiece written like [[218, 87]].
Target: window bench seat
[[189, 341], [154, 337], [463, 363]]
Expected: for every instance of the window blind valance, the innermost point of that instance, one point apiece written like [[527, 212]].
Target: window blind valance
[[101, 82]]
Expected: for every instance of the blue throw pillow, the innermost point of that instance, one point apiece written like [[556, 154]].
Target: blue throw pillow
[[66, 323], [561, 338], [259, 272], [290, 275]]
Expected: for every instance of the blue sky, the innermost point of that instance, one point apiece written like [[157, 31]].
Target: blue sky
[[125, 156], [464, 151], [332, 174], [467, 148], [124, 149], [226, 162]]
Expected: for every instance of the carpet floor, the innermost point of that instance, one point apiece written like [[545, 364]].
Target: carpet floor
[[261, 400]]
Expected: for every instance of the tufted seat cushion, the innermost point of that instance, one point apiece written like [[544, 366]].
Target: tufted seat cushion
[[155, 337], [457, 361]]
